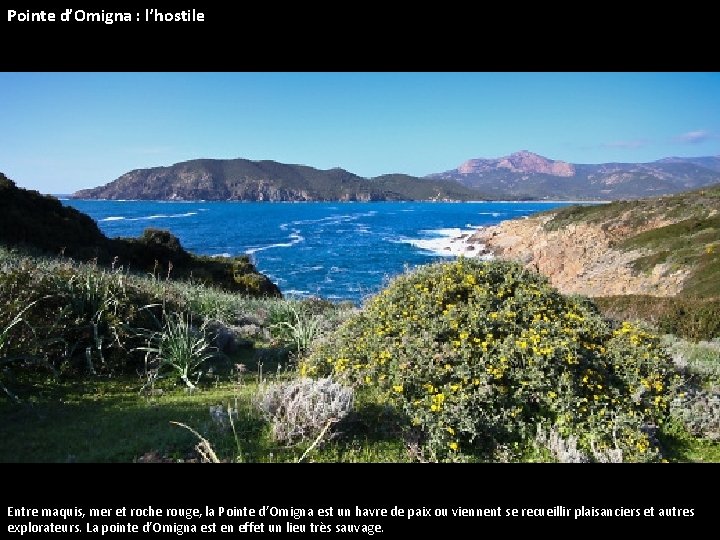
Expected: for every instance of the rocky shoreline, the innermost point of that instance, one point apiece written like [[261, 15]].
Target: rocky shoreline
[[579, 259]]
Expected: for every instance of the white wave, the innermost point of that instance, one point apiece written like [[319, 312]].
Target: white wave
[[320, 220], [224, 254], [162, 216], [437, 246], [450, 231], [335, 218], [113, 218], [296, 292], [306, 269], [295, 238], [447, 242]]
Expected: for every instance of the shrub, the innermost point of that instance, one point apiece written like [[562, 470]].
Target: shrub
[[700, 361], [478, 354], [83, 316], [699, 410], [295, 324], [689, 317], [178, 347], [301, 409]]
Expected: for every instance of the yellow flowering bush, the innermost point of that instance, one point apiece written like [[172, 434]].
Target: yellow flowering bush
[[479, 354]]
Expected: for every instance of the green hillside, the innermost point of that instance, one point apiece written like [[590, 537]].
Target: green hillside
[[41, 224]]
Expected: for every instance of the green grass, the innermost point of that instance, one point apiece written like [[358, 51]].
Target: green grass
[[97, 421], [693, 243], [701, 360], [107, 420], [680, 446], [684, 206], [692, 317]]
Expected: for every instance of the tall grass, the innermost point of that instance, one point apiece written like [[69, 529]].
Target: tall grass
[[5, 336], [178, 347], [700, 360], [295, 324]]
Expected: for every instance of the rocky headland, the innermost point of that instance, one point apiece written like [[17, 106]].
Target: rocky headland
[[580, 258], [659, 247]]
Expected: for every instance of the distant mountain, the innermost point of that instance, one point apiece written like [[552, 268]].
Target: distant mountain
[[709, 162], [528, 175], [520, 162], [522, 175], [245, 180]]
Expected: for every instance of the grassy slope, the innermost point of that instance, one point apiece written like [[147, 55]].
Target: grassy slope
[[107, 420], [42, 224]]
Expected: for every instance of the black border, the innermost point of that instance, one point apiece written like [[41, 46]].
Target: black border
[[364, 37], [367, 37], [386, 486]]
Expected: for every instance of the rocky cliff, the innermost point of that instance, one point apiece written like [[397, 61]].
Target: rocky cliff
[[581, 258], [659, 247]]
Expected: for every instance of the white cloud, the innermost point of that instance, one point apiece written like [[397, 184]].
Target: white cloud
[[694, 137]]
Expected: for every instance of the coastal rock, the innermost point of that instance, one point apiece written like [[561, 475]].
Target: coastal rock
[[581, 259], [227, 338]]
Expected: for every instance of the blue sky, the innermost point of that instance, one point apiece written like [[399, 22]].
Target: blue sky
[[65, 131]]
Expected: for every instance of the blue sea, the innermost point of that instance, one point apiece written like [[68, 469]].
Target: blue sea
[[338, 251]]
